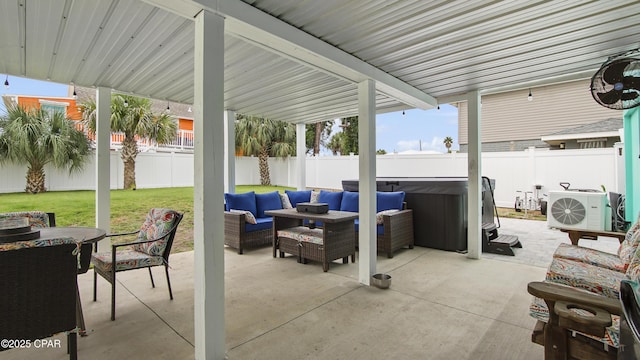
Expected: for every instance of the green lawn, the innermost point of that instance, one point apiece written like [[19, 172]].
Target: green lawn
[[128, 208]]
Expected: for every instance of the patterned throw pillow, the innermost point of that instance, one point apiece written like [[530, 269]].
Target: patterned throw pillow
[[156, 226], [286, 203], [380, 215], [314, 196], [248, 216]]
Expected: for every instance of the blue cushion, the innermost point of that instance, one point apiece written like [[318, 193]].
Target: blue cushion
[[350, 201], [389, 200], [245, 201], [333, 198], [379, 228], [298, 196], [261, 224], [268, 201]]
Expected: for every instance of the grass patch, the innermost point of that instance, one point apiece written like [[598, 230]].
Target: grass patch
[[128, 208]]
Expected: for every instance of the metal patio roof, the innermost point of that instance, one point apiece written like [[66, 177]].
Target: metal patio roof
[[300, 61]]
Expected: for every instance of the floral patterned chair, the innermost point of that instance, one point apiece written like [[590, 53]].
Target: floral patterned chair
[[151, 248], [577, 306]]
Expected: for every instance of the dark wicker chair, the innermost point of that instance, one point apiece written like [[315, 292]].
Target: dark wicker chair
[[151, 248], [38, 293], [398, 232], [236, 236]]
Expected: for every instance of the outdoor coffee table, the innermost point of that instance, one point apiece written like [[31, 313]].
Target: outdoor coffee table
[[337, 235], [87, 236], [576, 234]]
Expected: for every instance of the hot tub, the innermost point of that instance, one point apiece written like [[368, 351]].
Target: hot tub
[[439, 208]]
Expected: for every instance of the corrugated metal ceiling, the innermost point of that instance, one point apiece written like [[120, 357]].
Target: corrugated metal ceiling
[[443, 48]]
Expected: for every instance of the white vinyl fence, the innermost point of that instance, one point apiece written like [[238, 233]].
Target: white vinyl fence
[[513, 171]]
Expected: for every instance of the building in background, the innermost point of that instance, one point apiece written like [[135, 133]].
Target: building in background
[[70, 105], [558, 116]]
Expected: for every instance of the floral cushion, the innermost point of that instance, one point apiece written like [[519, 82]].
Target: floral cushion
[[286, 203], [158, 224], [37, 219], [581, 275], [248, 216], [539, 310], [125, 260], [315, 195], [381, 214], [590, 256], [302, 234], [16, 245]]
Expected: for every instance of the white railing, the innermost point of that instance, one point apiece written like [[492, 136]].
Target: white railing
[[183, 141]]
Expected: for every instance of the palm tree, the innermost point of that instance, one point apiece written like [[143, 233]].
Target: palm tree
[[38, 137], [447, 142], [264, 138], [132, 116]]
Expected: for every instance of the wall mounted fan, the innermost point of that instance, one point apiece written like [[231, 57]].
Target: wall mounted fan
[[616, 85]]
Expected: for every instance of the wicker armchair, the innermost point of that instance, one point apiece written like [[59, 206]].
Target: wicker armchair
[[397, 232], [151, 248], [38, 291]]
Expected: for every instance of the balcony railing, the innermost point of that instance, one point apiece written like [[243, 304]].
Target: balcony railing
[[182, 141]]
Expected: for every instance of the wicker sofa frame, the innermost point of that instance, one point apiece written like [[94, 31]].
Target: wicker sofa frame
[[38, 293], [235, 235]]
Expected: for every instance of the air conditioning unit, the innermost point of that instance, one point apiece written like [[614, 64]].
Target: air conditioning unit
[[585, 210]]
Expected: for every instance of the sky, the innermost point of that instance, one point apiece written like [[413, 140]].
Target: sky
[[415, 130]]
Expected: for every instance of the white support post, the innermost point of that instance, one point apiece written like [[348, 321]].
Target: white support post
[[474, 226], [230, 154], [301, 156], [103, 156], [208, 189], [367, 184]]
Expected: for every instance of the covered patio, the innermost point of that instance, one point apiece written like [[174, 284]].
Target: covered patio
[[304, 62], [441, 305]]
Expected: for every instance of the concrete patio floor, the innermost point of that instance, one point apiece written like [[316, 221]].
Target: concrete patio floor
[[441, 305]]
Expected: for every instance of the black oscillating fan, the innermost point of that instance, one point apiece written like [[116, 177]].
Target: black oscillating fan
[[616, 85]]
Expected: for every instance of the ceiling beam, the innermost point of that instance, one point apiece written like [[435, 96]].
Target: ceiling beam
[[251, 24]]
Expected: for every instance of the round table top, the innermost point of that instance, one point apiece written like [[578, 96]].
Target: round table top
[[84, 234]]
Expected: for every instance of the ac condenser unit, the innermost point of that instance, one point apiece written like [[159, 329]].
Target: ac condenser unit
[[584, 210]]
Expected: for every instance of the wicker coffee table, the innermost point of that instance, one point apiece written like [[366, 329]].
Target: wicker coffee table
[[338, 236]]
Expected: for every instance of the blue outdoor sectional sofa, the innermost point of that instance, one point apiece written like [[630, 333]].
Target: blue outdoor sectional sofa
[[246, 225]]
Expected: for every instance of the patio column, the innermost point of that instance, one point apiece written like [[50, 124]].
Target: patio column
[[208, 188], [474, 192], [367, 184], [230, 158], [103, 158], [301, 156], [631, 126]]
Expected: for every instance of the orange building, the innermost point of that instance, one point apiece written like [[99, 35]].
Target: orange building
[[70, 106]]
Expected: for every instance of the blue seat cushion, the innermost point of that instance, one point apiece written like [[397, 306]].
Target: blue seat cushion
[[389, 200], [268, 201], [379, 228], [244, 201], [333, 198], [296, 197], [350, 201], [261, 224]]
